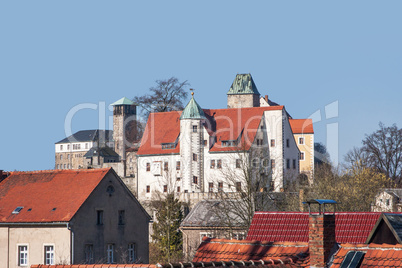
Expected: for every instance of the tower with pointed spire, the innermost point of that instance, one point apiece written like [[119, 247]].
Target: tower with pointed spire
[[243, 93], [191, 146], [124, 125]]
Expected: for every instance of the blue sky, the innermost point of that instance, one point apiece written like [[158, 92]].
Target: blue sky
[[306, 55]]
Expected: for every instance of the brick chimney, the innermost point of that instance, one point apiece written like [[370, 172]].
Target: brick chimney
[[321, 234]]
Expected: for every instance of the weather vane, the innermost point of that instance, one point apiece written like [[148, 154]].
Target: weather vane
[[192, 91]]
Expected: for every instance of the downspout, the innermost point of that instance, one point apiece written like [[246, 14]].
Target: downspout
[[186, 238], [72, 243], [8, 247]]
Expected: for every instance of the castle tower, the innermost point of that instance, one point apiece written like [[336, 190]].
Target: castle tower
[[124, 125], [191, 147], [243, 92]]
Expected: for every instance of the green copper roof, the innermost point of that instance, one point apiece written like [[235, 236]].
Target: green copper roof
[[123, 101], [192, 111], [243, 84]]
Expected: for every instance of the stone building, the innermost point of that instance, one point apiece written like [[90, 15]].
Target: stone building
[[388, 200], [70, 217], [70, 151]]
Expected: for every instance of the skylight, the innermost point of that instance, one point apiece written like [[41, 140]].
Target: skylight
[[353, 259], [17, 210]]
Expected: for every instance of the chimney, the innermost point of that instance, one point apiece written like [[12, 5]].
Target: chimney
[[321, 233], [266, 98]]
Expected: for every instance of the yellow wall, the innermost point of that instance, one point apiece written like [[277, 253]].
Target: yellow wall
[[306, 165], [35, 238]]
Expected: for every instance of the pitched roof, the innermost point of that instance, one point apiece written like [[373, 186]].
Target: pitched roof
[[288, 253], [351, 227], [301, 126], [243, 84], [88, 135], [192, 110], [374, 255], [46, 196], [204, 215], [123, 101], [224, 124], [103, 151]]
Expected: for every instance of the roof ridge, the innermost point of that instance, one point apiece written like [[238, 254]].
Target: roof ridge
[[59, 171]]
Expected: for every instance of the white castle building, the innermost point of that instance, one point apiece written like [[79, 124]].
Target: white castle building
[[193, 151]]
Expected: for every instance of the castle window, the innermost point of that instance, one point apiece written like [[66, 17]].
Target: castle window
[[229, 143], [272, 143], [294, 163], [287, 163], [68, 146], [61, 157], [255, 162], [49, 255], [212, 164], [238, 163], [301, 155], [148, 168], [194, 157], [178, 189], [287, 143], [272, 163], [220, 186], [219, 163], [131, 253], [165, 188], [86, 145], [205, 143], [211, 187], [195, 179], [61, 147], [194, 128], [68, 156], [166, 166], [238, 186], [177, 165], [166, 146], [148, 189], [301, 140]]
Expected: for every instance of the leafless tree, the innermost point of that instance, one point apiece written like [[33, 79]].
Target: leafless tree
[[384, 151], [167, 95]]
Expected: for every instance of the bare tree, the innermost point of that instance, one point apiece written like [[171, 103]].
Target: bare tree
[[167, 95], [384, 151], [248, 176]]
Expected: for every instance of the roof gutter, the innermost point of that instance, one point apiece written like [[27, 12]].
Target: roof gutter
[[33, 223]]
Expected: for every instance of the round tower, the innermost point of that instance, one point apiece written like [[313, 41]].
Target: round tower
[[124, 125], [191, 148]]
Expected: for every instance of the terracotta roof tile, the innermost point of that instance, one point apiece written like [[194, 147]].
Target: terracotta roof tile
[[351, 227], [301, 126], [234, 250], [46, 196]]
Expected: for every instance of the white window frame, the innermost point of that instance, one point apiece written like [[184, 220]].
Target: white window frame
[[131, 253], [22, 261], [204, 234], [302, 154], [110, 253], [48, 251], [301, 143], [89, 253]]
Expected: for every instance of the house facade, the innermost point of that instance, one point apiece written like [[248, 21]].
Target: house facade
[[388, 200], [70, 217]]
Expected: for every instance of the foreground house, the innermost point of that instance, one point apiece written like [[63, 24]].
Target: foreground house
[[70, 217]]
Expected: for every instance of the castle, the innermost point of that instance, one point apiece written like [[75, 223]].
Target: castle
[[191, 152]]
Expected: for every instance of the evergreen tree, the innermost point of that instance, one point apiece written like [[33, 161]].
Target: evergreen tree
[[167, 237]]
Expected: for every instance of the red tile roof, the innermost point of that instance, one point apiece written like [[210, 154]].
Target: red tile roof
[[225, 124], [351, 227], [376, 255], [288, 253], [96, 266], [46, 196], [301, 126]]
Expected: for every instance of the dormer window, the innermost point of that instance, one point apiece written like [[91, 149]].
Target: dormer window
[[229, 143], [17, 210], [166, 146]]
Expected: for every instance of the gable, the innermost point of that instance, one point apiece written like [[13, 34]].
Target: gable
[[388, 229]]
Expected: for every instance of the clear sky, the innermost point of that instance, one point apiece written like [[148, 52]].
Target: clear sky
[[56, 56]]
